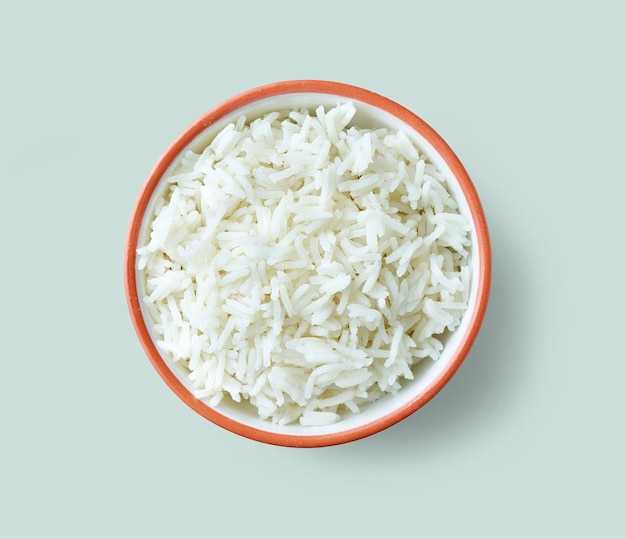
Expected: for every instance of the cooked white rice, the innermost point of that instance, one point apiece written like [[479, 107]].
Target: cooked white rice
[[304, 265]]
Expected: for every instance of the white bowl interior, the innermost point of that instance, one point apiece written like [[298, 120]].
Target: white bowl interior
[[427, 371]]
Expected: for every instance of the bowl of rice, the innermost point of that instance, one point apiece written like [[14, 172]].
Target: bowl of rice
[[307, 264]]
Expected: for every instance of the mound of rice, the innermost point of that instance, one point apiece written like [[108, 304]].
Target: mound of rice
[[304, 265]]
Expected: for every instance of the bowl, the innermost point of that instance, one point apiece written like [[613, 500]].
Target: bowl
[[429, 377]]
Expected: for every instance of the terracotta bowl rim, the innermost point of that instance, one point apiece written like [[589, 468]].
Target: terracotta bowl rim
[[230, 105]]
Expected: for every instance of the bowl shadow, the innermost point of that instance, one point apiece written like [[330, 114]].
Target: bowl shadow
[[485, 382]]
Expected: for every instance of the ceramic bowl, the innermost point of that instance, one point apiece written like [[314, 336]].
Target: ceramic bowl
[[430, 376]]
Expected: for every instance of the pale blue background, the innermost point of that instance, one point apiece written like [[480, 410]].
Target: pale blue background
[[526, 441]]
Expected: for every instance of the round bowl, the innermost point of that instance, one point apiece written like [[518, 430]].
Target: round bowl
[[429, 376]]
